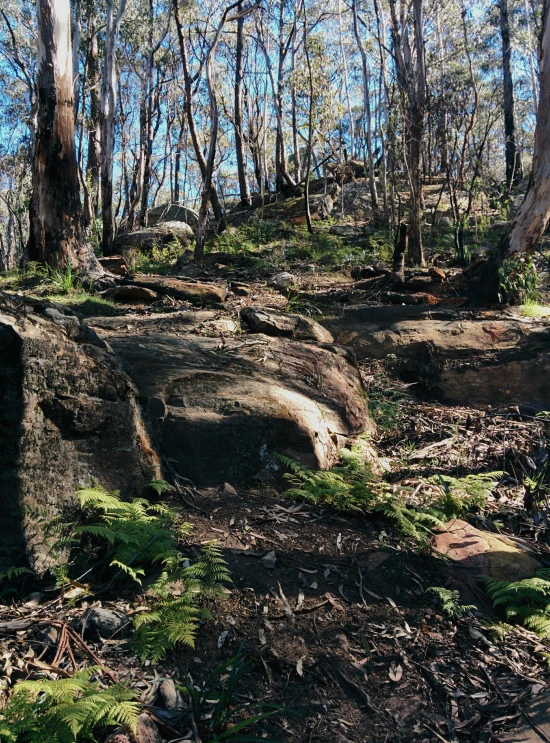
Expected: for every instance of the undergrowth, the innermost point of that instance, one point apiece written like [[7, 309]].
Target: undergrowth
[[160, 259], [220, 688], [525, 602], [350, 486], [66, 710], [131, 540], [450, 602]]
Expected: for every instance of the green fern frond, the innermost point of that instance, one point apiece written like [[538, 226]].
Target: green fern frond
[[66, 710], [174, 620], [450, 602], [160, 486]]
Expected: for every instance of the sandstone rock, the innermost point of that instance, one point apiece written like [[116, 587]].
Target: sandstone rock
[[69, 413], [413, 299], [419, 283], [229, 490], [194, 292], [291, 326], [269, 561], [241, 290], [363, 272], [281, 281], [148, 237], [458, 357], [129, 294], [114, 264], [484, 552], [146, 730], [438, 273], [227, 414]]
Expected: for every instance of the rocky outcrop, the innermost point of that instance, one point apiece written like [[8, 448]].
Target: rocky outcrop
[[302, 328], [114, 264], [458, 356], [69, 414], [225, 407], [196, 292]]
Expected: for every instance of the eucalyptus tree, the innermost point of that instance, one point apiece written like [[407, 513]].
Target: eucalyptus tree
[[56, 235]]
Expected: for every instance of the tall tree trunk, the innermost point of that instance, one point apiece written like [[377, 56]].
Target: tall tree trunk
[[94, 131], [367, 107], [244, 191], [532, 218], [108, 109], [201, 160], [417, 104], [57, 235], [309, 128], [346, 82], [514, 171]]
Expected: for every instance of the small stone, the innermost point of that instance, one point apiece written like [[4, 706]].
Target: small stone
[[146, 730], [380, 267], [270, 560], [105, 622], [170, 696], [229, 489], [114, 264], [281, 281], [241, 290], [438, 273]]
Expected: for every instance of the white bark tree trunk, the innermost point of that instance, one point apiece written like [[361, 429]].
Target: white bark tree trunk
[[56, 231]]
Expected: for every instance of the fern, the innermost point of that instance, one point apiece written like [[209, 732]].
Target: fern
[[463, 494], [525, 602], [66, 710], [351, 486], [175, 619], [160, 486], [450, 602], [134, 529]]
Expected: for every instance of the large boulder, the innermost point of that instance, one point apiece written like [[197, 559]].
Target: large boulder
[[458, 356], [172, 213], [225, 407], [160, 235], [69, 414]]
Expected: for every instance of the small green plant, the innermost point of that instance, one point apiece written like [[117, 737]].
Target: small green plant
[[66, 711], [175, 613], [450, 602], [221, 688], [463, 494], [525, 602], [160, 259], [64, 280], [350, 486], [386, 405], [518, 280], [530, 308]]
